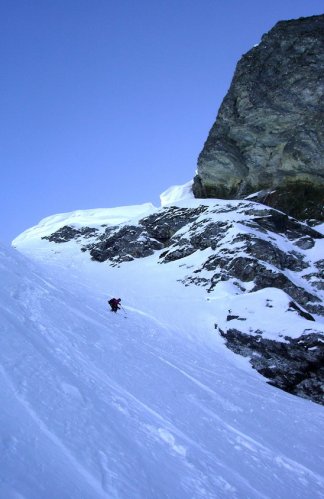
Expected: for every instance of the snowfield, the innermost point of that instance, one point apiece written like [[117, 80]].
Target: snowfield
[[147, 403]]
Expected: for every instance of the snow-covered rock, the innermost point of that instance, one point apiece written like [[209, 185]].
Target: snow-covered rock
[[149, 402], [247, 246]]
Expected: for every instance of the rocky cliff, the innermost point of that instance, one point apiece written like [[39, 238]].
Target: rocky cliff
[[269, 133]]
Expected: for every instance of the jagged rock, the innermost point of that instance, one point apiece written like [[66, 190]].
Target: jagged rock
[[151, 234], [301, 200], [278, 280], [68, 233], [280, 223], [234, 317], [269, 132], [302, 313], [246, 269], [182, 246], [266, 251], [125, 244], [296, 365], [242, 237], [168, 221]]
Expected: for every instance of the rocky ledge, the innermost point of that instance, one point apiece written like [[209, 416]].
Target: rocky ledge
[[295, 365]]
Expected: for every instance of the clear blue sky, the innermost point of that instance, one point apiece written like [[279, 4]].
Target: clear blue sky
[[108, 102]]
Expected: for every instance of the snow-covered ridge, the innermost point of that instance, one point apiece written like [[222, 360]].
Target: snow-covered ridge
[[262, 266], [84, 218], [109, 216], [205, 236], [96, 404]]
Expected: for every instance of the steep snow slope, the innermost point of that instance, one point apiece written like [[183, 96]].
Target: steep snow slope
[[146, 403]]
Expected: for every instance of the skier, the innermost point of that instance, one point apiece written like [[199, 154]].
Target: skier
[[114, 303]]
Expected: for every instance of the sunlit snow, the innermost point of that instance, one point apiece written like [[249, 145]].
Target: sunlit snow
[[177, 193], [147, 403]]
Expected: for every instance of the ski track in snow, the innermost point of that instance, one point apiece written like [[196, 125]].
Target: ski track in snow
[[143, 404]]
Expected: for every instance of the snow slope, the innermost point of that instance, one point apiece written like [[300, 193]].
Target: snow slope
[[146, 403]]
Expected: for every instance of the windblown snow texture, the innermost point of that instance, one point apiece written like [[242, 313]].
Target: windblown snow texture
[[149, 406]]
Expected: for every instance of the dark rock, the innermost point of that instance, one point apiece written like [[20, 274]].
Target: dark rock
[[123, 244], [280, 223], [302, 313], [210, 236], [277, 280], [162, 232], [228, 266], [168, 221], [265, 251], [296, 366], [301, 200], [195, 239], [178, 253], [68, 233], [269, 132], [237, 317], [305, 242]]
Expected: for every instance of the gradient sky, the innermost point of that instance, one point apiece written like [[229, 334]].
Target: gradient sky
[[108, 102]]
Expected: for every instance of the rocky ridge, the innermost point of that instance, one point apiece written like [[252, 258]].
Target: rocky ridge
[[247, 245], [268, 137], [247, 242]]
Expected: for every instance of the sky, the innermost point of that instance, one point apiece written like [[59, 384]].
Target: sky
[[108, 103]]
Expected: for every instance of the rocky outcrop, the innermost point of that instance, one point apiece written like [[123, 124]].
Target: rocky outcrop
[[249, 248], [253, 247], [67, 233], [118, 244], [295, 365], [269, 133], [123, 244]]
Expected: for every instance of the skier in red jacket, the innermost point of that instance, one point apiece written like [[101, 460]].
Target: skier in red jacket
[[114, 303]]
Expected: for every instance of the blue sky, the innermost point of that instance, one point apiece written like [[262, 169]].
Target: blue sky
[[107, 103]]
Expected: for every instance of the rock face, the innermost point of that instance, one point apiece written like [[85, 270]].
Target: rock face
[[296, 365], [269, 132]]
